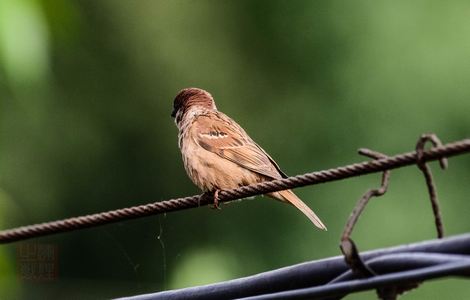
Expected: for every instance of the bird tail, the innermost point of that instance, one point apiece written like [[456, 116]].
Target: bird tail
[[289, 196]]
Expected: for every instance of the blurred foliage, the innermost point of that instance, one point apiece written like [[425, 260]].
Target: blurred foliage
[[86, 90]]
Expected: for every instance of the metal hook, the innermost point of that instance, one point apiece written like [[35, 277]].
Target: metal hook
[[431, 137], [347, 246]]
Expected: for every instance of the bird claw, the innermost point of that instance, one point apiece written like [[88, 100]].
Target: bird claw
[[216, 200], [207, 197]]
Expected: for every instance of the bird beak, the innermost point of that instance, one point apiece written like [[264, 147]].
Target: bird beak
[[173, 113]]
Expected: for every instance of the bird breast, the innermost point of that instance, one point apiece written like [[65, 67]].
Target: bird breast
[[208, 170]]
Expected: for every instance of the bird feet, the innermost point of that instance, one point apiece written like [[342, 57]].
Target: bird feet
[[207, 196], [216, 200]]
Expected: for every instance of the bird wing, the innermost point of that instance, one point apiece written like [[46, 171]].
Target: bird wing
[[221, 135]]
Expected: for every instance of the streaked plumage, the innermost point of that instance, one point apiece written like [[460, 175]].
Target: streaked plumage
[[218, 154]]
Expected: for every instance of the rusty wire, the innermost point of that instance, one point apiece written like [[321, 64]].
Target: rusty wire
[[430, 137], [347, 246], [357, 169]]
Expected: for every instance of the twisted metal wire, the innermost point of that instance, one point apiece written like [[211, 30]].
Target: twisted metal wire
[[357, 169]]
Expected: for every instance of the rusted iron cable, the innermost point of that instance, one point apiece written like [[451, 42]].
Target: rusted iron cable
[[367, 167]]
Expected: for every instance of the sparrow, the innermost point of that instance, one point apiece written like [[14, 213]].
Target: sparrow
[[218, 154]]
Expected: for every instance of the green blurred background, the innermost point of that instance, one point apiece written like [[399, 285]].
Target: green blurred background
[[86, 91]]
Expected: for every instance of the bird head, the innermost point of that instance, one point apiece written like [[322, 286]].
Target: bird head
[[191, 98]]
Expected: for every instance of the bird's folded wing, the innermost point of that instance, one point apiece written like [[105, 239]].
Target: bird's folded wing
[[229, 141]]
